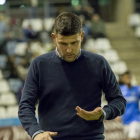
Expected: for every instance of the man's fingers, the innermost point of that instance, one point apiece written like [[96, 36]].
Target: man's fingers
[[53, 133], [80, 110]]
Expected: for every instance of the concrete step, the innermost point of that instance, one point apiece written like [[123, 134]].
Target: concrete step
[[129, 55], [124, 44], [123, 40], [117, 30], [133, 61], [138, 78], [133, 67]]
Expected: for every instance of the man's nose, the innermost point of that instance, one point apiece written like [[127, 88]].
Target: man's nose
[[69, 49]]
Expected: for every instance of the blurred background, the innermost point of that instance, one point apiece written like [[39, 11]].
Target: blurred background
[[112, 29]]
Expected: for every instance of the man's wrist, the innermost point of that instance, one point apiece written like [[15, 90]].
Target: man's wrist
[[36, 133], [103, 116]]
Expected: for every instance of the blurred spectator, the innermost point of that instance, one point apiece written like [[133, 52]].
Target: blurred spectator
[[44, 35], [28, 53], [98, 26], [10, 71], [88, 11], [3, 26], [95, 5], [30, 33], [17, 31], [78, 10], [85, 10], [131, 118], [8, 45], [86, 28], [33, 9]]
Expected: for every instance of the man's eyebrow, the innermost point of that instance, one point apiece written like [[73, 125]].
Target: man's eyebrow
[[62, 42], [67, 43], [74, 42]]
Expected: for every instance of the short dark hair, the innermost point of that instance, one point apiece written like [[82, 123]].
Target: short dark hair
[[126, 73], [67, 23]]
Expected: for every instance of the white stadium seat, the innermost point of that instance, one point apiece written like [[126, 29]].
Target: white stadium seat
[[48, 23], [12, 112], [4, 87], [8, 99], [21, 49], [102, 44], [90, 45], [134, 20], [119, 67], [111, 55], [37, 24], [3, 112]]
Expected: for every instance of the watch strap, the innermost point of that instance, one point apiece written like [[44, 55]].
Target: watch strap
[[38, 132]]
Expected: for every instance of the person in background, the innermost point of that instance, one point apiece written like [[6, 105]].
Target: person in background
[[86, 28], [17, 31], [33, 9], [44, 35], [131, 117], [3, 27], [98, 27], [68, 83], [29, 33]]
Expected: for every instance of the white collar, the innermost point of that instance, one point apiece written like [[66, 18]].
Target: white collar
[[58, 54]]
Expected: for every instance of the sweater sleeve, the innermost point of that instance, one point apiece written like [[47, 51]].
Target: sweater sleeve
[[116, 102], [29, 98]]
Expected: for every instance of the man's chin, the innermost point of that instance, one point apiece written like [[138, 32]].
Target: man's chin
[[68, 59]]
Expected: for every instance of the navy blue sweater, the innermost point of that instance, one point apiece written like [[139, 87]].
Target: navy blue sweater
[[60, 86]]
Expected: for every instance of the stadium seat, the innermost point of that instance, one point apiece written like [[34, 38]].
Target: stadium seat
[[12, 112], [37, 24], [21, 49], [48, 22], [3, 112], [102, 44], [119, 67], [10, 47], [35, 46], [134, 20], [111, 55], [8, 99], [15, 84], [90, 45], [3, 60], [4, 87]]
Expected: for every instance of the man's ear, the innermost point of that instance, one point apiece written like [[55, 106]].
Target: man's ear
[[53, 37], [82, 36]]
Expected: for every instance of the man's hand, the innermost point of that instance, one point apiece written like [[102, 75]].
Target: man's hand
[[45, 135], [89, 115]]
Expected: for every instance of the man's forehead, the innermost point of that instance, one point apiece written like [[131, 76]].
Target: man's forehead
[[71, 37]]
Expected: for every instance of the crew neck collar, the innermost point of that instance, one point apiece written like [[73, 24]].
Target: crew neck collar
[[58, 54]]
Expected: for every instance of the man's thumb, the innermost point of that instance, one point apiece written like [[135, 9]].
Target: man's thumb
[[53, 133]]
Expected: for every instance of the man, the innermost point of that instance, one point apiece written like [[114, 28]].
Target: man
[[131, 117], [68, 83]]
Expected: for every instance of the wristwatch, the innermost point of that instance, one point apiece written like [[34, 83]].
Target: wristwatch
[[38, 132], [103, 116]]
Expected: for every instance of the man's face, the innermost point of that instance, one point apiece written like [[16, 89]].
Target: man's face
[[126, 79], [68, 46]]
